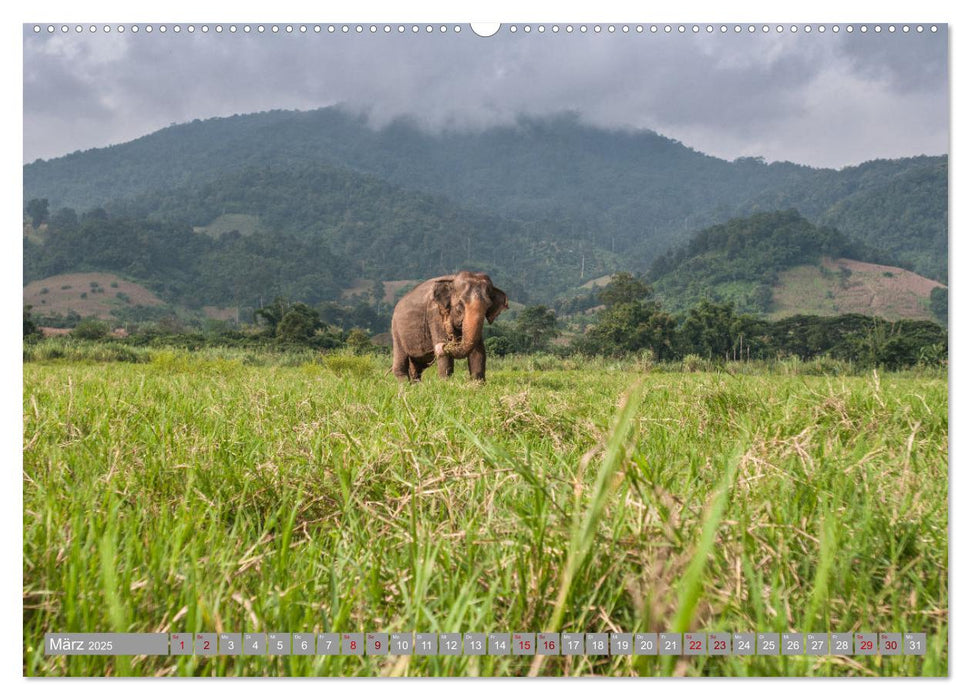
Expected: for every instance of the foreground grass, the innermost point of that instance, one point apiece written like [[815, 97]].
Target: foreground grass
[[204, 494]]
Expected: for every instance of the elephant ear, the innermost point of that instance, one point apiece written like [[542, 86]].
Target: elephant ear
[[499, 304], [442, 294]]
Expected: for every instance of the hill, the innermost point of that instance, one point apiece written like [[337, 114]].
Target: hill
[[843, 286], [309, 232], [87, 294], [781, 264], [188, 268], [378, 230], [629, 193]]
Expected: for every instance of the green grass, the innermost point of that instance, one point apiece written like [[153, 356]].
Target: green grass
[[200, 492]]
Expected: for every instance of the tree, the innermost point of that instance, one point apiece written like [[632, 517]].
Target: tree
[[298, 324], [37, 210], [537, 324], [31, 331], [630, 327], [64, 219], [625, 288], [709, 330], [359, 341], [377, 292], [272, 314], [939, 304], [761, 300]]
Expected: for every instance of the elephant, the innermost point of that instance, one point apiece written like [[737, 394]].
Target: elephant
[[441, 320]]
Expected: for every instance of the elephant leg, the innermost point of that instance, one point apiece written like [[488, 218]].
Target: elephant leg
[[446, 365], [400, 365], [416, 367], [477, 362]]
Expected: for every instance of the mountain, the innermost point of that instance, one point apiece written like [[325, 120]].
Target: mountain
[[781, 264], [628, 193]]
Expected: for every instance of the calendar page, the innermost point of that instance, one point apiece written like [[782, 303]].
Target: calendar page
[[450, 349]]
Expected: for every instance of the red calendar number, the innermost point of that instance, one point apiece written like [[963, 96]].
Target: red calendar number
[[524, 644], [720, 646], [205, 645], [353, 646], [866, 646], [892, 645], [549, 645], [695, 645]]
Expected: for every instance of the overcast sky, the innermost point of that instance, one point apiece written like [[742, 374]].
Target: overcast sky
[[819, 99]]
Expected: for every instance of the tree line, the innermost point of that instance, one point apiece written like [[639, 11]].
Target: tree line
[[632, 321]]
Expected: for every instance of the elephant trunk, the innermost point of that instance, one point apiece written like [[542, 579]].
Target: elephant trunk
[[471, 330]]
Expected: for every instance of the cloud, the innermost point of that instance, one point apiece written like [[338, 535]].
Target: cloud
[[818, 99]]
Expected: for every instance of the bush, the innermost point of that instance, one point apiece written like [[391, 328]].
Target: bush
[[646, 360], [359, 341], [298, 324], [72, 351], [90, 329], [498, 345], [31, 331], [694, 363], [353, 365]]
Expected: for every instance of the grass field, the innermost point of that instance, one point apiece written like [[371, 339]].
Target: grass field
[[202, 493]]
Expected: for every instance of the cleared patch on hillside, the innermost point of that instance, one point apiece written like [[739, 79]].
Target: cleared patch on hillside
[[383, 339], [392, 287], [246, 224], [87, 293], [843, 286], [220, 313], [360, 286], [598, 282]]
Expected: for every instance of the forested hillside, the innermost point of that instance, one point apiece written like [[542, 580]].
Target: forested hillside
[[314, 230], [742, 260], [185, 267], [386, 232], [629, 193]]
